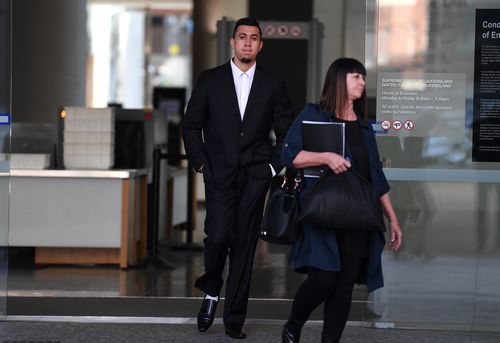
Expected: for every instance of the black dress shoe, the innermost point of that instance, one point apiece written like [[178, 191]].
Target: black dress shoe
[[288, 335], [235, 331], [206, 314]]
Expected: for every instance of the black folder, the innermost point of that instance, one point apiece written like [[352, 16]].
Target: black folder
[[322, 137]]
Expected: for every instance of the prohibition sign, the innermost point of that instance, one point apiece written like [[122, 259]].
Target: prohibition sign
[[386, 125], [397, 124], [409, 124], [269, 30], [283, 30], [296, 31]]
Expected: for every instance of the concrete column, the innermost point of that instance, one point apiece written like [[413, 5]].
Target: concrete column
[[332, 15], [355, 28], [49, 58], [205, 15], [345, 31]]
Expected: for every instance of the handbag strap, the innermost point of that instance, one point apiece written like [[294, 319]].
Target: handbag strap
[[297, 175]]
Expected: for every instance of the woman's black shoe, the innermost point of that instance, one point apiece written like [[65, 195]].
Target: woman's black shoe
[[289, 335], [326, 338]]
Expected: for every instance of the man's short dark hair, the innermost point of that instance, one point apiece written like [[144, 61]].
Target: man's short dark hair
[[248, 22]]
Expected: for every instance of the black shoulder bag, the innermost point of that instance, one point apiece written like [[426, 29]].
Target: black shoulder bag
[[280, 224], [344, 201]]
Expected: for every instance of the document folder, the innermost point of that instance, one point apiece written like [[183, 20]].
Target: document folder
[[322, 137]]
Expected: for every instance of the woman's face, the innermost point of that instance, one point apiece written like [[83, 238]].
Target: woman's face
[[355, 85]]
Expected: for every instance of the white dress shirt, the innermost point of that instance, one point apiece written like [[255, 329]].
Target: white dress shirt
[[243, 84]]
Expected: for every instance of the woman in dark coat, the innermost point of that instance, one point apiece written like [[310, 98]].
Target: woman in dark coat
[[335, 260]]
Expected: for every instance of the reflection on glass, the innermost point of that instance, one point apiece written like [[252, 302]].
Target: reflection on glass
[[4, 222], [444, 275], [421, 38], [5, 58]]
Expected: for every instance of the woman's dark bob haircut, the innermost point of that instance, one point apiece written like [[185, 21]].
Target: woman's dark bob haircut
[[334, 96]]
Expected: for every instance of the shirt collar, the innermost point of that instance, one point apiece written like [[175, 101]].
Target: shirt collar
[[237, 72]]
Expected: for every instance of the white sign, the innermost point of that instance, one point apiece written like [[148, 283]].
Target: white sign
[[430, 104]]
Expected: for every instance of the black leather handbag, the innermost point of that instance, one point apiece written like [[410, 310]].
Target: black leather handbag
[[343, 201], [280, 224]]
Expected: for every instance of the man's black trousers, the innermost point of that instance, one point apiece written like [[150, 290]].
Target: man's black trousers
[[232, 226]]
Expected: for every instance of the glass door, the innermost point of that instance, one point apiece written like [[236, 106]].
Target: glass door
[[436, 65], [5, 96]]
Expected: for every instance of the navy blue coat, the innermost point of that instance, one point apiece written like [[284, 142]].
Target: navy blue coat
[[318, 248]]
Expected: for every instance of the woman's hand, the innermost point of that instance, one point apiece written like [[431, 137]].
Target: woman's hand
[[337, 163], [396, 232], [396, 235]]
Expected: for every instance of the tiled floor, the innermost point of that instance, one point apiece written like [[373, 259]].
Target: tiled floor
[[433, 290], [258, 332]]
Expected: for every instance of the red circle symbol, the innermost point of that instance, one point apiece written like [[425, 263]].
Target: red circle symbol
[[283, 30], [397, 124], [409, 125], [386, 125], [269, 30], [295, 31]]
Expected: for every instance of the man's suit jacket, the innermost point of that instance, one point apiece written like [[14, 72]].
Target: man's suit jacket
[[216, 137]]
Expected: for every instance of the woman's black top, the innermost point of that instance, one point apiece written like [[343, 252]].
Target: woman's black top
[[355, 242]]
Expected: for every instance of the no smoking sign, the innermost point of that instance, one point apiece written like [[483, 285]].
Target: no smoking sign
[[386, 125]]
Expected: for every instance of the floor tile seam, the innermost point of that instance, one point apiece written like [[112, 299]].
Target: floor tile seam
[[129, 319], [168, 320], [67, 295], [50, 294]]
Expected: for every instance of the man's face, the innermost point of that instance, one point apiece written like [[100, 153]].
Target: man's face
[[246, 43]]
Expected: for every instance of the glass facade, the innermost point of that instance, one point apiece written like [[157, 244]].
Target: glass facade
[[435, 64], [5, 84]]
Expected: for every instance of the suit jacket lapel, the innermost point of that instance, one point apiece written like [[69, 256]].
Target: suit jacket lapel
[[229, 86]]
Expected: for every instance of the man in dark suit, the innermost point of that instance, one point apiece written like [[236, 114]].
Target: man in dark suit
[[226, 132]]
